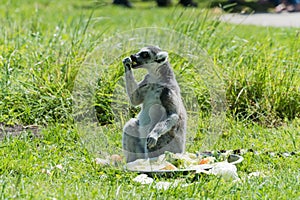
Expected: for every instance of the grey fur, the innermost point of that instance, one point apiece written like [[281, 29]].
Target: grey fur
[[161, 124]]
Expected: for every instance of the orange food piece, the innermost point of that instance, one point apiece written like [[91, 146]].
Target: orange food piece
[[204, 161], [169, 167]]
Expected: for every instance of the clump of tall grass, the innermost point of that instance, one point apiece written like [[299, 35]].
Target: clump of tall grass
[[262, 82], [261, 75], [38, 66]]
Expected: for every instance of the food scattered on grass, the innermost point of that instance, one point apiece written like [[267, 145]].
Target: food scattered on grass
[[170, 162]]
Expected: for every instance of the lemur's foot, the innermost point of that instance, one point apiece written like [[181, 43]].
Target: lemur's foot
[[152, 140], [127, 62]]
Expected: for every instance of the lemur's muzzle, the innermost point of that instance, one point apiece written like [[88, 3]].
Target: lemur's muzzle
[[135, 62]]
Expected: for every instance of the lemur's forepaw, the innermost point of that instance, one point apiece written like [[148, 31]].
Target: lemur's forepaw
[[127, 62], [151, 140]]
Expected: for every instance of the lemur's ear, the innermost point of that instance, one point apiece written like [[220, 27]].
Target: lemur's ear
[[161, 57]]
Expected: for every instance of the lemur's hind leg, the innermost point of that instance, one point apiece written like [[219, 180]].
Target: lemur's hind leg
[[132, 144], [160, 129], [169, 101]]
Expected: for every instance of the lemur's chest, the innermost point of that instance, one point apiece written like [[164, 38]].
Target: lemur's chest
[[152, 95]]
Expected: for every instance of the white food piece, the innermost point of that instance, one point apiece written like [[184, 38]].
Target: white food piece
[[256, 174], [143, 179], [226, 170], [100, 161]]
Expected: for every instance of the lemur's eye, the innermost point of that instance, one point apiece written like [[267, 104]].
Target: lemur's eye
[[145, 54]]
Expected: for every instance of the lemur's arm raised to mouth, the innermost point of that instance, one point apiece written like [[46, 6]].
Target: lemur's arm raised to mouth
[[131, 84], [135, 91]]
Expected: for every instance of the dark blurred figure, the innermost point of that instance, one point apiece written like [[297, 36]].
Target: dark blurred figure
[[280, 5], [160, 3], [283, 5], [125, 3], [163, 3], [287, 5], [274, 2], [188, 3]]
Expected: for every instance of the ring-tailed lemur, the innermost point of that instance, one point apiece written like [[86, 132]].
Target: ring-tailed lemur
[[161, 123]]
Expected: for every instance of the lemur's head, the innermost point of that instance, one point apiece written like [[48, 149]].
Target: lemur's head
[[148, 57]]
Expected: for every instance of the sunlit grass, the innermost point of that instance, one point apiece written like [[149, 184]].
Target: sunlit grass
[[43, 45]]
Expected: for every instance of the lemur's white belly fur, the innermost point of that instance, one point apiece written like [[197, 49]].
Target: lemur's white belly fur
[[151, 113]]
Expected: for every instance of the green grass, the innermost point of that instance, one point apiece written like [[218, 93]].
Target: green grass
[[44, 43]]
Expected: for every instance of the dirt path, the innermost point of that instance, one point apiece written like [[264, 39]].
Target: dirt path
[[265, 19], [15, 130]]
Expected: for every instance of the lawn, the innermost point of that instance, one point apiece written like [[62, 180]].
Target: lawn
[[63, 102]]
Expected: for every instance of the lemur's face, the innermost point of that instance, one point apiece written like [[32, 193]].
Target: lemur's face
[[148, 57]]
